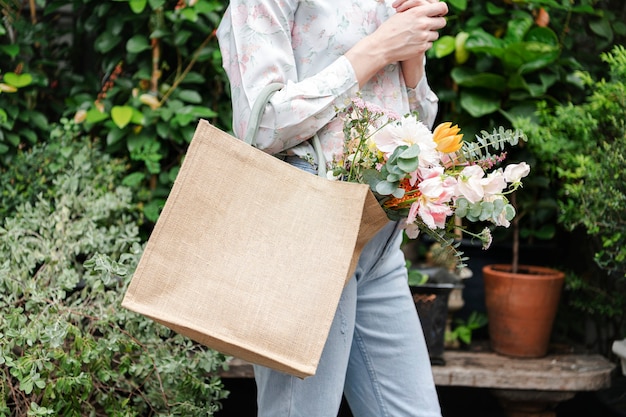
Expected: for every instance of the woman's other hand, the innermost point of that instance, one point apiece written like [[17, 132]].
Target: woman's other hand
[[405, 36]]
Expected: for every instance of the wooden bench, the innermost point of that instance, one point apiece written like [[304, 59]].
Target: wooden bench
[[525, 387]]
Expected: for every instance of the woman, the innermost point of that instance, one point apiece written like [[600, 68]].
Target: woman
[[324, 52]]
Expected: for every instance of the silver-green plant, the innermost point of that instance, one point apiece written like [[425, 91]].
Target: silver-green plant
[[67, 347]]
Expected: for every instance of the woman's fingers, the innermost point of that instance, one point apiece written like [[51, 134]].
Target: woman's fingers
[[403, 5]]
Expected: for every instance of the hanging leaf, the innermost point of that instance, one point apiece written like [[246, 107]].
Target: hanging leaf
[[137, 43], [18, 80], [121, 115], [138, 6]]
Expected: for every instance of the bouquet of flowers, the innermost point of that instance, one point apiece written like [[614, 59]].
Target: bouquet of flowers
[[429, 180]]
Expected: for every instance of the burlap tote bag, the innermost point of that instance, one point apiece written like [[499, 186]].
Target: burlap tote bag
[[250, 255]]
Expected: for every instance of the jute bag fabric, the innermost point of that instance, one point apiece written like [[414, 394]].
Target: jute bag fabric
[[250, 255]]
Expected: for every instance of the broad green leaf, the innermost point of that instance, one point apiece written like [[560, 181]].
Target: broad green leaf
[[458, 4], [443, 46], [494, 10], [190, 96], [542, 35], [3, 116], [38, 119], [193, 78], [115, 135], [517, 29], [602, 27], [138, 117], [121, 115], [181, 37], [18, 80], [29, 135], [13, 139], [205, 112], [468, 77], [183, 119], [138, 6], [159, 33], [94, 115], [11, 50], [106, 42], [134, 179], [137, 43], [477, 104], [529, 56], [481, 41], [153, 208], [189, 14]]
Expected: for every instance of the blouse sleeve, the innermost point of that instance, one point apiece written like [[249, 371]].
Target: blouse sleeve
[[256, 44]]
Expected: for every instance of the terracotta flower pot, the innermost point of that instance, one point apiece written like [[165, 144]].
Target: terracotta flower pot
[[521, 308]]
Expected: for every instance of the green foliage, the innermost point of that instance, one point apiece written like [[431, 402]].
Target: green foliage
[[582, 148], [505, 57], [136, 74], [67, 347], [463, 329]]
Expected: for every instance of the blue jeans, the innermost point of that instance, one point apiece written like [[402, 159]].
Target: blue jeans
[[375, 353]]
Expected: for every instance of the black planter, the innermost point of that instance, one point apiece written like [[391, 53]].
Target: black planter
[[431, 302]]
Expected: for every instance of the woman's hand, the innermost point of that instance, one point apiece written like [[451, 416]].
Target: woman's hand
[[405, 36], [413, 68]]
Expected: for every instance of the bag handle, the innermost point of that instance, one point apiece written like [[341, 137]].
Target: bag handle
[[255, 119]]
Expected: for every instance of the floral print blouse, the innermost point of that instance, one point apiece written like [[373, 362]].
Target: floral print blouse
[[301, 43]]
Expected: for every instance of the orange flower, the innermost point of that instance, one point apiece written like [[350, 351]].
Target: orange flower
[[411, 193], [447, 138]]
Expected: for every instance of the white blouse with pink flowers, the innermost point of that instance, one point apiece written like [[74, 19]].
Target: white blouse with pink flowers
[[302, 44]]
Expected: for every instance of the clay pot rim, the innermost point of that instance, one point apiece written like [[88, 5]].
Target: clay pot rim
[[536, 272]]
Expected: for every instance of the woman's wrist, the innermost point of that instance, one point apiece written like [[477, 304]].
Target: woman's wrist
[[366, 59], [413, 71]]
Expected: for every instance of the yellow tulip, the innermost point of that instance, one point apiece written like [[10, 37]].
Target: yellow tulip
[[447, 137]]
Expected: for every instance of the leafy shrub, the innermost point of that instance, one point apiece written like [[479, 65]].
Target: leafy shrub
[[138, 74], [582, 148], [67, 347]]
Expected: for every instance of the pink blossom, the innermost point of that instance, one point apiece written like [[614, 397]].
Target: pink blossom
[[436, 186], [436, 191]]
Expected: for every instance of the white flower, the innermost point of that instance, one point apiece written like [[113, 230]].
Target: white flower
[[406, 132], [494, 183], [514, 173], [469, 183]]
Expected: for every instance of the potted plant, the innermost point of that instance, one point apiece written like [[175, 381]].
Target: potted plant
[[521, 303]]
